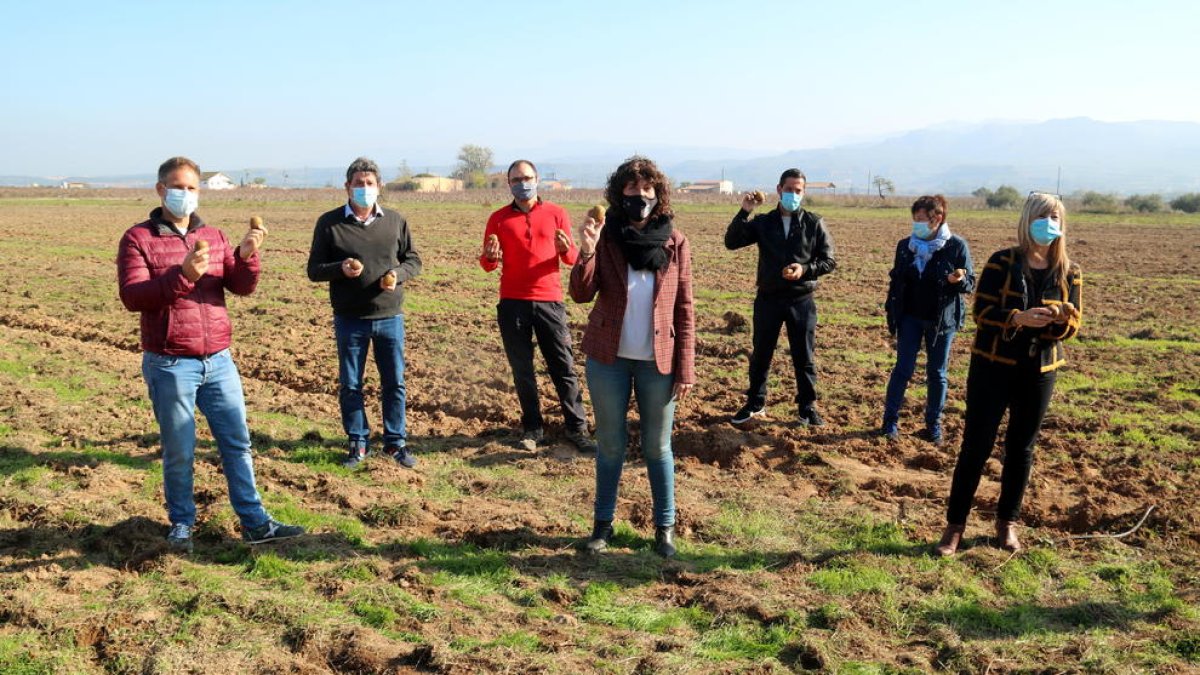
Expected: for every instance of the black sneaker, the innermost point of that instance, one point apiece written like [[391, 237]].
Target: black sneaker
[[530, 439], [403, 455], [179, 539], [809, 417], [355, 457], [748, 413], [271, 531], [582, 441]]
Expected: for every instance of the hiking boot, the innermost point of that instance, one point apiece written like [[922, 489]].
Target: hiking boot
[[951, 538], [1006, 536], [530, 439], [664, 541], [582, 441], [355, 457], [602, 533], [809, 417], [179, 539], [402, 455], [270, 531], [747, 413]]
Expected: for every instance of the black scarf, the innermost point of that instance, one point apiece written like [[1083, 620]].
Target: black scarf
[[644, 248]]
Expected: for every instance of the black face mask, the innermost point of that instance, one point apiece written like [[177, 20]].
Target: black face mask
[[637, 208]]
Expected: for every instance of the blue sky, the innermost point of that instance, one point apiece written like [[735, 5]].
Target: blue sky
[[101, 88]]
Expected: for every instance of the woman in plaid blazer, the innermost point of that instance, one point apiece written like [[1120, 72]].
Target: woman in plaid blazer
[[640, 337]]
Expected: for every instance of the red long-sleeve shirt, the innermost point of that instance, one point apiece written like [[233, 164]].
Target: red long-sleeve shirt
[[529, 256]]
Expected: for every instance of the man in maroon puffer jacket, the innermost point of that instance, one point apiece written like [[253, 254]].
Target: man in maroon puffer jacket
[[174, 270]]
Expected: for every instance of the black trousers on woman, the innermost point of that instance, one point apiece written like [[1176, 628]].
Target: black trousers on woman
[[993, 388]]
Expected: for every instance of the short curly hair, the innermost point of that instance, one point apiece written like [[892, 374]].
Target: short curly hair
[[635, 169]]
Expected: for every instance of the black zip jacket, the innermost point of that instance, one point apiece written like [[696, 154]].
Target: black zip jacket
[[808, 243]]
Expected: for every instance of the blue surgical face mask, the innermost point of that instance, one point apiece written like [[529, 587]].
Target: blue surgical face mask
[[1044, 231], [791, 201], [524, 191], [364, 197], [181, 203], [921, 230]]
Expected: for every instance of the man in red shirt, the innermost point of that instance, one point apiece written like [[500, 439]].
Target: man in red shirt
[[529, 238]]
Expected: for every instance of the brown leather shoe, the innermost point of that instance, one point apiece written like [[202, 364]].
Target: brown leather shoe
[[951, 538], [1006, 535]]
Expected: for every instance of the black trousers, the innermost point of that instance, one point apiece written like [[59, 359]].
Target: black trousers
[[993, 388], [520, 321], [800, 317]]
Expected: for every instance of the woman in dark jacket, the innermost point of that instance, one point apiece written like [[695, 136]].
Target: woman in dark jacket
[[640, 337], [931, 274], [1027, 303]]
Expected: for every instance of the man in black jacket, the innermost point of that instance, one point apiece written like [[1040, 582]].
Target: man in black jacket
[[794, 249], [366, 254]]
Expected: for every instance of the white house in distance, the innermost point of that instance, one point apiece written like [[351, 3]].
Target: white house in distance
[[716, 187], [215, 180]]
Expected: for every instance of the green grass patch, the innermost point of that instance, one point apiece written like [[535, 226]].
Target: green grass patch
[[600, 604], [744, 641], [852, 577]]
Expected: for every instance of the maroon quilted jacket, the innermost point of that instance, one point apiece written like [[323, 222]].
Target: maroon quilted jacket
[[674, 316], [179, 317]]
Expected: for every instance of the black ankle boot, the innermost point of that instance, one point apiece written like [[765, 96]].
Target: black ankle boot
[[664, 541], [602, 532]]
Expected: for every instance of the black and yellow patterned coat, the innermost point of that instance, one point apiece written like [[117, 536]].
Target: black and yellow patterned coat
[[1001, 293]]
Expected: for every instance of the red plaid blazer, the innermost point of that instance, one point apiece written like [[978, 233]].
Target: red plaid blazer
[[674, 315]]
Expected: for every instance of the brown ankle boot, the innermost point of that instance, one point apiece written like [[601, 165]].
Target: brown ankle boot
[[1006, 535], [951, 538]]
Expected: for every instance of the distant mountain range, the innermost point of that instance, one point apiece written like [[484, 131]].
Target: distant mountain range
[[1120, 157]]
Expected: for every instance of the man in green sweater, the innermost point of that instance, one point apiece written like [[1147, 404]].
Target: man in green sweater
[[366, 254]]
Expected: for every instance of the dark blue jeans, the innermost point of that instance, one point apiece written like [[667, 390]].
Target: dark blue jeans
[[611, 385], [909, 334], [354, 338]]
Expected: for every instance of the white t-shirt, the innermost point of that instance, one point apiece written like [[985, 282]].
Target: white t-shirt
[[637, 327]]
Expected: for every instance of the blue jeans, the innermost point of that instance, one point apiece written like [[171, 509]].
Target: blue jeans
[[909, 334], [610, 386], [180, 384], [354, 339]]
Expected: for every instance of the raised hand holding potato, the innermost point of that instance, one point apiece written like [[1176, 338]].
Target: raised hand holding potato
[[491, 247], [195, 264], [253, 239], [591, 235], [596, 213], [751, 200], [562, 243]]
